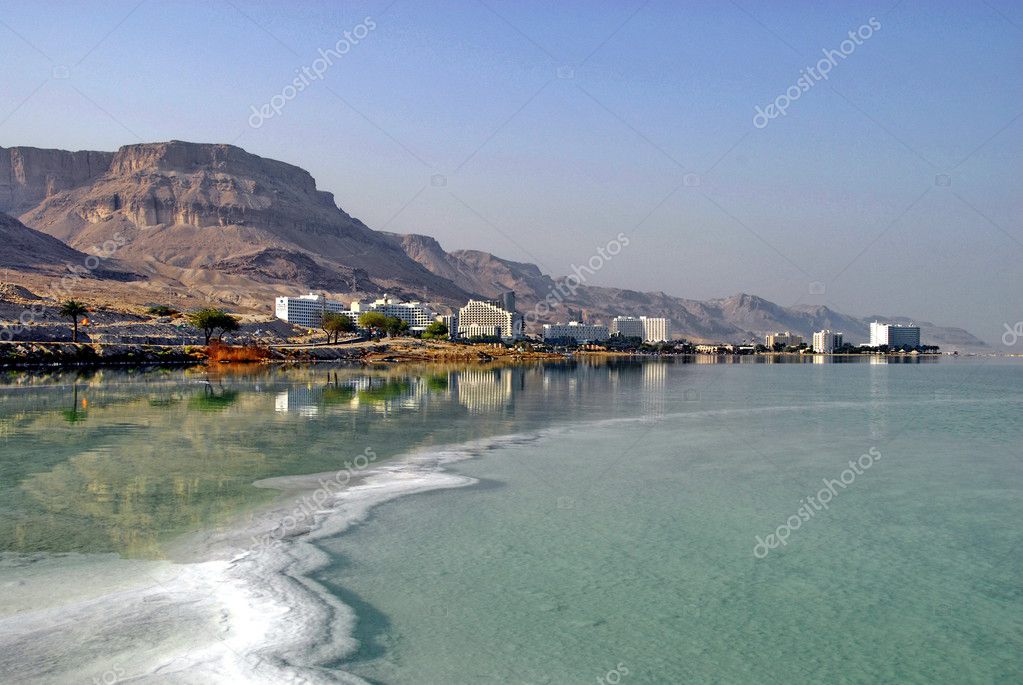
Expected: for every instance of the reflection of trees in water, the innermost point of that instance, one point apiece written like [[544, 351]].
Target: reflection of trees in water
[[387, 389], [73, 415], [213, 399], [160, 456]]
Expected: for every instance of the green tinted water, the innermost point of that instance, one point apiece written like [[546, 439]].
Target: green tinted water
[[624, 552], [614, 543]]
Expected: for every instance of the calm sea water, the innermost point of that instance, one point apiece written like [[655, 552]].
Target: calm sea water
[[608, 526]]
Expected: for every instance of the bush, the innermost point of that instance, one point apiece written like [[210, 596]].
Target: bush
[[219, 352]]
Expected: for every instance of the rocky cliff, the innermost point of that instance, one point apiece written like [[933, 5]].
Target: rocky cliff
[[29, 175], [218, 209]]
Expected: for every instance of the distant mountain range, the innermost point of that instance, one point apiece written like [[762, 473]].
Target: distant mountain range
[[216, 222]]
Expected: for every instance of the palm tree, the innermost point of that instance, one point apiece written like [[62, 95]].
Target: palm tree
[[72, 309]]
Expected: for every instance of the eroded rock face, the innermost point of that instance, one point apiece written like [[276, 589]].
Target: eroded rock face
[[195, 205], [29, 175]]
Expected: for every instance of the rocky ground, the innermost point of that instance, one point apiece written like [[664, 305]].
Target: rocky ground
[[28, 317]]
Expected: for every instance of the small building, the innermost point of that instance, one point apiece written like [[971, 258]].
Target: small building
[[714, 348]]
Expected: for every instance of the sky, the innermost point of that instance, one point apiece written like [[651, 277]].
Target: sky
[[884, 180]]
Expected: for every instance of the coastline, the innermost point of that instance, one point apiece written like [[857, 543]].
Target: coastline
[[15, 355]]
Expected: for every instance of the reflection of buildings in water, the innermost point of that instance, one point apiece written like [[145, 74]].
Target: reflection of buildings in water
[[298, 399], [374, 393], [654, 376], [480, 390], [880, 396]]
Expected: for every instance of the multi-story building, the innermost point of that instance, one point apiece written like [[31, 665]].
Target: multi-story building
[[627, 327], [647, 328], [307, 310], [579, 332], [418, 315], [787, 339], [489, 319], [894, 335], [451, 321], [827, 341]]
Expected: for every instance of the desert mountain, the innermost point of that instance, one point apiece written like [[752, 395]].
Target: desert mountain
[[209, 210], [203, 219], [25, 249], [740, 317]]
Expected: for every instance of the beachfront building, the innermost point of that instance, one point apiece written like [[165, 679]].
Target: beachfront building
[[490, 319], [307, 310], [579, 332], [418, 315], [785, 339], [827, 341], [894, 335], [647, 328]]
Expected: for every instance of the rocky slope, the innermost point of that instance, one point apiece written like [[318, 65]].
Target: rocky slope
[[217, 209], [26, 250], [216, 222]]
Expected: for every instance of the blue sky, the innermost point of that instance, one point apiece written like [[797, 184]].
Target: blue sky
[[539, 131]]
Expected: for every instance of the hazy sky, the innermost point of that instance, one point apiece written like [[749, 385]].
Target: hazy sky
[[539, 131]]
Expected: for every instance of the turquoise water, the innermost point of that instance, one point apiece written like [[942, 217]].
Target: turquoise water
[[631, 544], [611, 539]]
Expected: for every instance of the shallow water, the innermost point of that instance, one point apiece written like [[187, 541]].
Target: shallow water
[[610, 539]]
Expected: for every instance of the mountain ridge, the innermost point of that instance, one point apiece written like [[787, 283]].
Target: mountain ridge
[[209, 216]]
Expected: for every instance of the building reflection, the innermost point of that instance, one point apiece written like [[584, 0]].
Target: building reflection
[[483, 390]]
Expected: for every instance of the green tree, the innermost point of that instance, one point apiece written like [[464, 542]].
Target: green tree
[[73, 309], [211, 320], [436, 330], [373, 320], [334, 324], [395, 326]]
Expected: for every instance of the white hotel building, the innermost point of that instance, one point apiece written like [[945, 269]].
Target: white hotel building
[[418, 315], [580, 332], [307, 310], [894, 335], [649, 329], [489, 319], [826, 341]]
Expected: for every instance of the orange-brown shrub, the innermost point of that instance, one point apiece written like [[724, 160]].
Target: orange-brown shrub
[[220, 353]]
